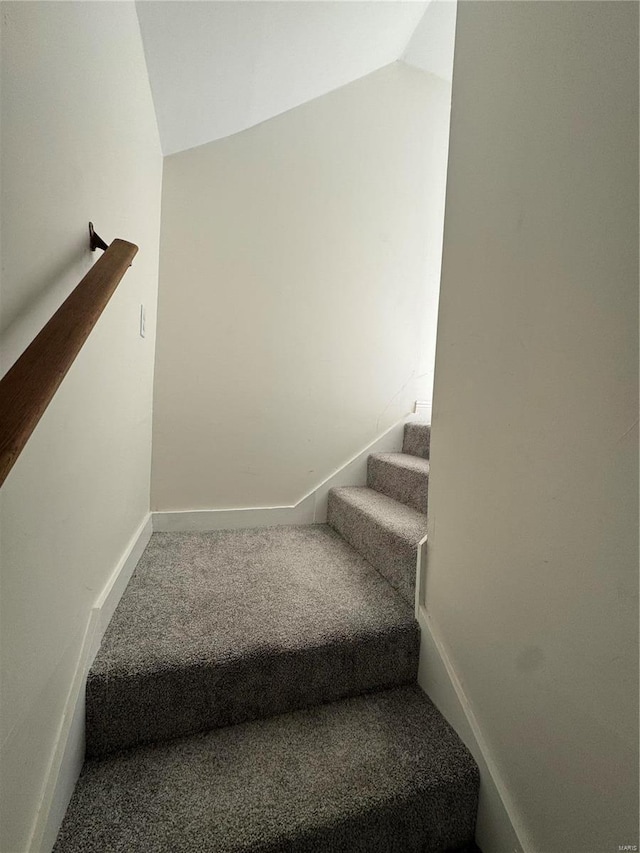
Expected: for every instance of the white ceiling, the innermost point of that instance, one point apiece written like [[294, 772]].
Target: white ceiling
[[220, 66]]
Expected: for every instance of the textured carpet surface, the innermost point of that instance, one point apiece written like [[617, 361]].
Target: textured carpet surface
[[383, 530], [381, 773], [255, 692], [219, 628], [400, 476], [417, 437]]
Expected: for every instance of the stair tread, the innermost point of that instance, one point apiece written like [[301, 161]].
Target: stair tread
[[402, 521], [400, 476], [382, 771], [197, 594], [222, 627], [406, 461]]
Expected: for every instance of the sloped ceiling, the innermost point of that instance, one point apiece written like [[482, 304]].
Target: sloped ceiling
[[220, 66], [432, 45]]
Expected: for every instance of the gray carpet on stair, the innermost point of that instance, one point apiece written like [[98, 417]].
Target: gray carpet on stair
[[417, 438], [383, 530], [400, 476], [219, 628], [382, 773], [255, 692]]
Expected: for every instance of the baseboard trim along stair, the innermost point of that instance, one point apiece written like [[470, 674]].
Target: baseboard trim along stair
[[310, 509]]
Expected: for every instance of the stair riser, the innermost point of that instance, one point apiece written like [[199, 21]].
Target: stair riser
[[417, 438], [425, 821], [123, 712], [393, 557], [409, 487]]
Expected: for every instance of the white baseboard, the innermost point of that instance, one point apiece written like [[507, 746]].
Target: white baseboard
[[108, 599], [68, 754], [310, 509], [201, 520], [421, 563], [498, 829]]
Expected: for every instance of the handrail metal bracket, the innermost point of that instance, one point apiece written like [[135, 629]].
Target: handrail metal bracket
[[28, 387], [95, 241]]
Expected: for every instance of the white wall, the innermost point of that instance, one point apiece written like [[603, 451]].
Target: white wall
[[299, 277], [532, 571], [219, 68], [79, 142]]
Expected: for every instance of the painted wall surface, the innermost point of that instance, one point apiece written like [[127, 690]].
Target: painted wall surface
[[532, 570], [299, 276], [217, 68], [79, 142]]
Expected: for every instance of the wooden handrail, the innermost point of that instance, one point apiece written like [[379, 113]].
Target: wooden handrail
[[28, 387]]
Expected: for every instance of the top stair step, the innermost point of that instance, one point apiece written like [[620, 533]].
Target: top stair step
[[417, 437]]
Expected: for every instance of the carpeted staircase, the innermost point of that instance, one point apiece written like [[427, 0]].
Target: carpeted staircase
[[255, 692]]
